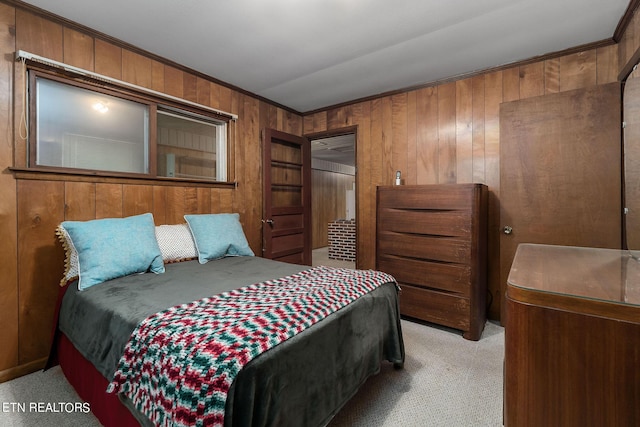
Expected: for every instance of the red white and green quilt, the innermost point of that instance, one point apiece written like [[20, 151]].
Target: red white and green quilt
[[179, 364]]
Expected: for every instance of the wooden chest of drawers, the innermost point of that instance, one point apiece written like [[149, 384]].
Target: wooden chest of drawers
[[433, 240]]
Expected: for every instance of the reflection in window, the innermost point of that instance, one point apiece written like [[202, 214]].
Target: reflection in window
[[84, 129], [190, 147]]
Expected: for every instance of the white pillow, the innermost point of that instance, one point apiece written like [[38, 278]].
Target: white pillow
[[71, 270], [176, 243]]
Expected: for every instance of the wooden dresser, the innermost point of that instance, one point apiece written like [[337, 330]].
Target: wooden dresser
[[433, 240], [572, 338]]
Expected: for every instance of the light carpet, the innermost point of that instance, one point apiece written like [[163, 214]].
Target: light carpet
[[446, 381]]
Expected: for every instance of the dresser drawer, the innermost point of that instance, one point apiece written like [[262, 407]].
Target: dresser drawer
[[453, 223], [447, 249], [453, 278], [436, 307]]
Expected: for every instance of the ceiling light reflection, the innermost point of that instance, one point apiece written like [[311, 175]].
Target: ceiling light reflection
[[100, 107]]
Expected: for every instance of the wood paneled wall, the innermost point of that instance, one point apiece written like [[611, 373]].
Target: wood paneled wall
[[32, 205], [446, 133], [449, 133], [328, 201], [8, 204], [629, 44]]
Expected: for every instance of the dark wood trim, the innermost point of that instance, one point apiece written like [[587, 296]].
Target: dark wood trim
[[572, 304], [152, 159], [124, 45], [625, 20], [122, 91], [23, 369], [56, 174], [152, 102], [552, 55], [628, 67]]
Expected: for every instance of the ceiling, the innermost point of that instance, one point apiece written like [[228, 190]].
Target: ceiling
[[311, 54], [339, 149]]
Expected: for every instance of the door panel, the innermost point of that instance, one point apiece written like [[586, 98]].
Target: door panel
[[560, 169], [286, 219]]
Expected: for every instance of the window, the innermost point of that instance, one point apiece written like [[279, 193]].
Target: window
[[82, 129], [189, 147], [82, 126]]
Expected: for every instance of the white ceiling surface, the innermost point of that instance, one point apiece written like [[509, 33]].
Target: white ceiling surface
[[310, 54], [336, 149]]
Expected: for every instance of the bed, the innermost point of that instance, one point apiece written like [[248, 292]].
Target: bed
[[302, 380]]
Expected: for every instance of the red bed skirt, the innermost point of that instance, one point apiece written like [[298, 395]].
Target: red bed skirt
[[91, 386]]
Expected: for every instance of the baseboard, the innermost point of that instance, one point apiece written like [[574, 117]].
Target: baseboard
[[21, 370]]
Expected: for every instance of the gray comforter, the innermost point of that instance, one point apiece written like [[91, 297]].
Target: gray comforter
[[301, 382]]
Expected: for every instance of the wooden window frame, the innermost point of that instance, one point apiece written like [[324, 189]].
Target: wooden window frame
[[154, 103]]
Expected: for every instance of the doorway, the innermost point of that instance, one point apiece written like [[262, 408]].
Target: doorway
[[334, 196]]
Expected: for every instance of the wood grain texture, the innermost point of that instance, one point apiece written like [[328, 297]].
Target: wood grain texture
[[173, 81], [8, 206], [374, 118], [136, 199], [552, 76], [108, 59], [605, 71], [561, 155], [80, 198], [532, 80], [365, 203], [108, 200], [190, 87], [328, 199], [432, 239], [631, 137], [136, 69], [464, 131], [447, 133], [511, 84], [427, 138], [478, 132], [78, 49], [387, 173], [399, 134], [559, 393], [38, 35], [585, 372], [578, 70], [493, 98], [40, 210], [411, 175], [79, 201], [456, 129]]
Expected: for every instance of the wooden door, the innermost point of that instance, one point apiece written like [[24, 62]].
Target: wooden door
[[560, 172], [631, 144], [286, 229]]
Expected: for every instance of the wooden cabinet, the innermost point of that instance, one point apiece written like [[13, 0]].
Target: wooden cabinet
[[572, 343], [433, 240]]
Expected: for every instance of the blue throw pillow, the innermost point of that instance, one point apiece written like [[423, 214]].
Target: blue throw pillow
[[218, 236], [114, 247]]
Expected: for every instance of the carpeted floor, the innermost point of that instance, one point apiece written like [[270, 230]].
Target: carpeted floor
[[446, 381], [320, 256]]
